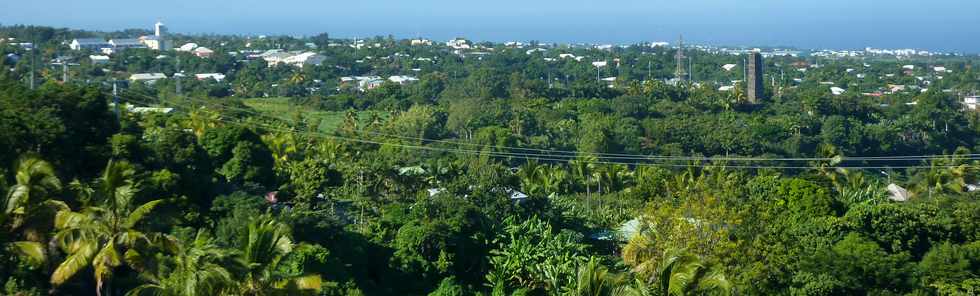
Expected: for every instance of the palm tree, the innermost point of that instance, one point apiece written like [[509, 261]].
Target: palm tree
[[636, 288], [201, 120], [29, 199], [297, 78], [266, 244], [951, 174], [28, 204], [684, 274], [593, 279], [283, 146], [201, 268], [97, 235]]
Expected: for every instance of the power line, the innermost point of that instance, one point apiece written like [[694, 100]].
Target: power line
[[546, 158], [620, 156]]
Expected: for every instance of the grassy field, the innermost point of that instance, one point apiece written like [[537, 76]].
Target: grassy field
[[280, 107]]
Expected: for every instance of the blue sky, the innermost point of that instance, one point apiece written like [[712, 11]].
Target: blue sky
[[949, 25]]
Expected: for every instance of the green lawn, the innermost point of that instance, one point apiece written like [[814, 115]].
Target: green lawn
[[280, 107]]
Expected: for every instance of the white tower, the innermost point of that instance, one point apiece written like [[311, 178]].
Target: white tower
[[161, 29]]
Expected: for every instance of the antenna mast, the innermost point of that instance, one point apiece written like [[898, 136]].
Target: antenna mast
[[680, 73]]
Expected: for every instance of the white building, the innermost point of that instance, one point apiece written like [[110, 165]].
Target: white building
[[89, 44], [123, 44], [203, 52], [421, 42], [402, 79], [187, 47], [971, 102], [837, 91], [205, 76], [157, 41], [294, 58], [99, 59], [459, 43], [147, 77]]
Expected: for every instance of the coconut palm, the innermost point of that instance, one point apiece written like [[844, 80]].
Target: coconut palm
[[201, 120], [28, 208], [104, 235], [200, 268], [593, 279], [951, 174], [684, 274], [29, 199], [268, 241]]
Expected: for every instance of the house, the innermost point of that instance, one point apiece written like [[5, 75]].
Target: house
[[459, 43], [939, 69], [187, 47], [402, 79], [99, 59], [369, 84], [143, 110], [908, 67], [122, 44], [726, 88], [729, 67], [89, 44], [971, 102], [837, 91], [205, 76], [147, 77], [306, 58], [203, 52], [532, 51], [364, 82], [421, 42]]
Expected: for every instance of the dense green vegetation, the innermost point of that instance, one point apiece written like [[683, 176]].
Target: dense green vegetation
[[483, 179]]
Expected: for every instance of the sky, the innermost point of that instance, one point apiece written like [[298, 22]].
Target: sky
[[939, 25]]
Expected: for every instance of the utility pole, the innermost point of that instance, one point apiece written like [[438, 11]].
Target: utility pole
[[177, 77], [115, 99], [649, 70], [33, 62]]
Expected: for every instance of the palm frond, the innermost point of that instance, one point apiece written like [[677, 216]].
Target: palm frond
[[140, 212], [34, 251], [74, 263]]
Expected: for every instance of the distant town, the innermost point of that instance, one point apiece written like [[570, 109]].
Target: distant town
[[100, 52]]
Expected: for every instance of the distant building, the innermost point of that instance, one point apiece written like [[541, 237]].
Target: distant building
[[99, 59], [205, 76], [187, 47], [89, 44], [147, 77], [971, 102], [837, 91], [123, 44], [157, 41], [459, 43], [298, 59], [421, 42], [203, 52], [402, 79], [753, 76]]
